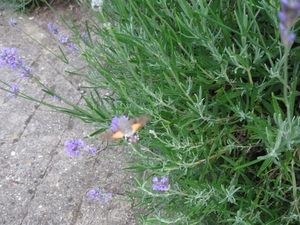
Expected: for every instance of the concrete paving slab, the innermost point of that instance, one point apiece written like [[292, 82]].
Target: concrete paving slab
[[39, 183]]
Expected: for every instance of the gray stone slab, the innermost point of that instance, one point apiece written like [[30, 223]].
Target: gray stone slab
[[39, 183]]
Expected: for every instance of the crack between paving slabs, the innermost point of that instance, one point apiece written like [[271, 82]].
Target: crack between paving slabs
[[47, 166], [78, 208], [27, 121]]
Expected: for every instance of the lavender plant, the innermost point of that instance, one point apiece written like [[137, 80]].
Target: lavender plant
[[225, 123], [98, 195], [22, 5], [220, 79]]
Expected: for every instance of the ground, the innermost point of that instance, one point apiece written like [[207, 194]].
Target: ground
[[39, 183]]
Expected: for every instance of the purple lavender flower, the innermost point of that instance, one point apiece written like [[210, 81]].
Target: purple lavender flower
[[73, 47], [93, 151], [160, 185], [53, 29], [12, 22], [290, 10], [14, 91], [98, 195], [90, 150], [115, 122], [107, 197], [25, 71], [64, 39], [9, 57], [86, 148], [95, 194], [73, 147], [85, 37], [55, 98]]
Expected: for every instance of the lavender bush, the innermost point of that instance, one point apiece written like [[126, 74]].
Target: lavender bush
[[22, 5]]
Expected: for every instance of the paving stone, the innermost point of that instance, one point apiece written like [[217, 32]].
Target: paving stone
[[39, 183]]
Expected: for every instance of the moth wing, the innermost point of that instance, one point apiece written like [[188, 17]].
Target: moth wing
[[139, 122], [117, 135], [110, 135]]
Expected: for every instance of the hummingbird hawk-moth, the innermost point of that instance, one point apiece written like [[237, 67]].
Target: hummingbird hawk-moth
[[123, 127]]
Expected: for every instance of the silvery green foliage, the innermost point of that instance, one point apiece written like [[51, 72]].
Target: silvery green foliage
[[97, 5]]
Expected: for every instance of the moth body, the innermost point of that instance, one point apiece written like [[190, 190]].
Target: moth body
[[122, 127]]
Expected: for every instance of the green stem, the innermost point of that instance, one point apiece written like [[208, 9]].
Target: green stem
[[285, 88], [249, 75]]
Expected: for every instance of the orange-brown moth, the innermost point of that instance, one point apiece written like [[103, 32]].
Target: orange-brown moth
[[123, 127]]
